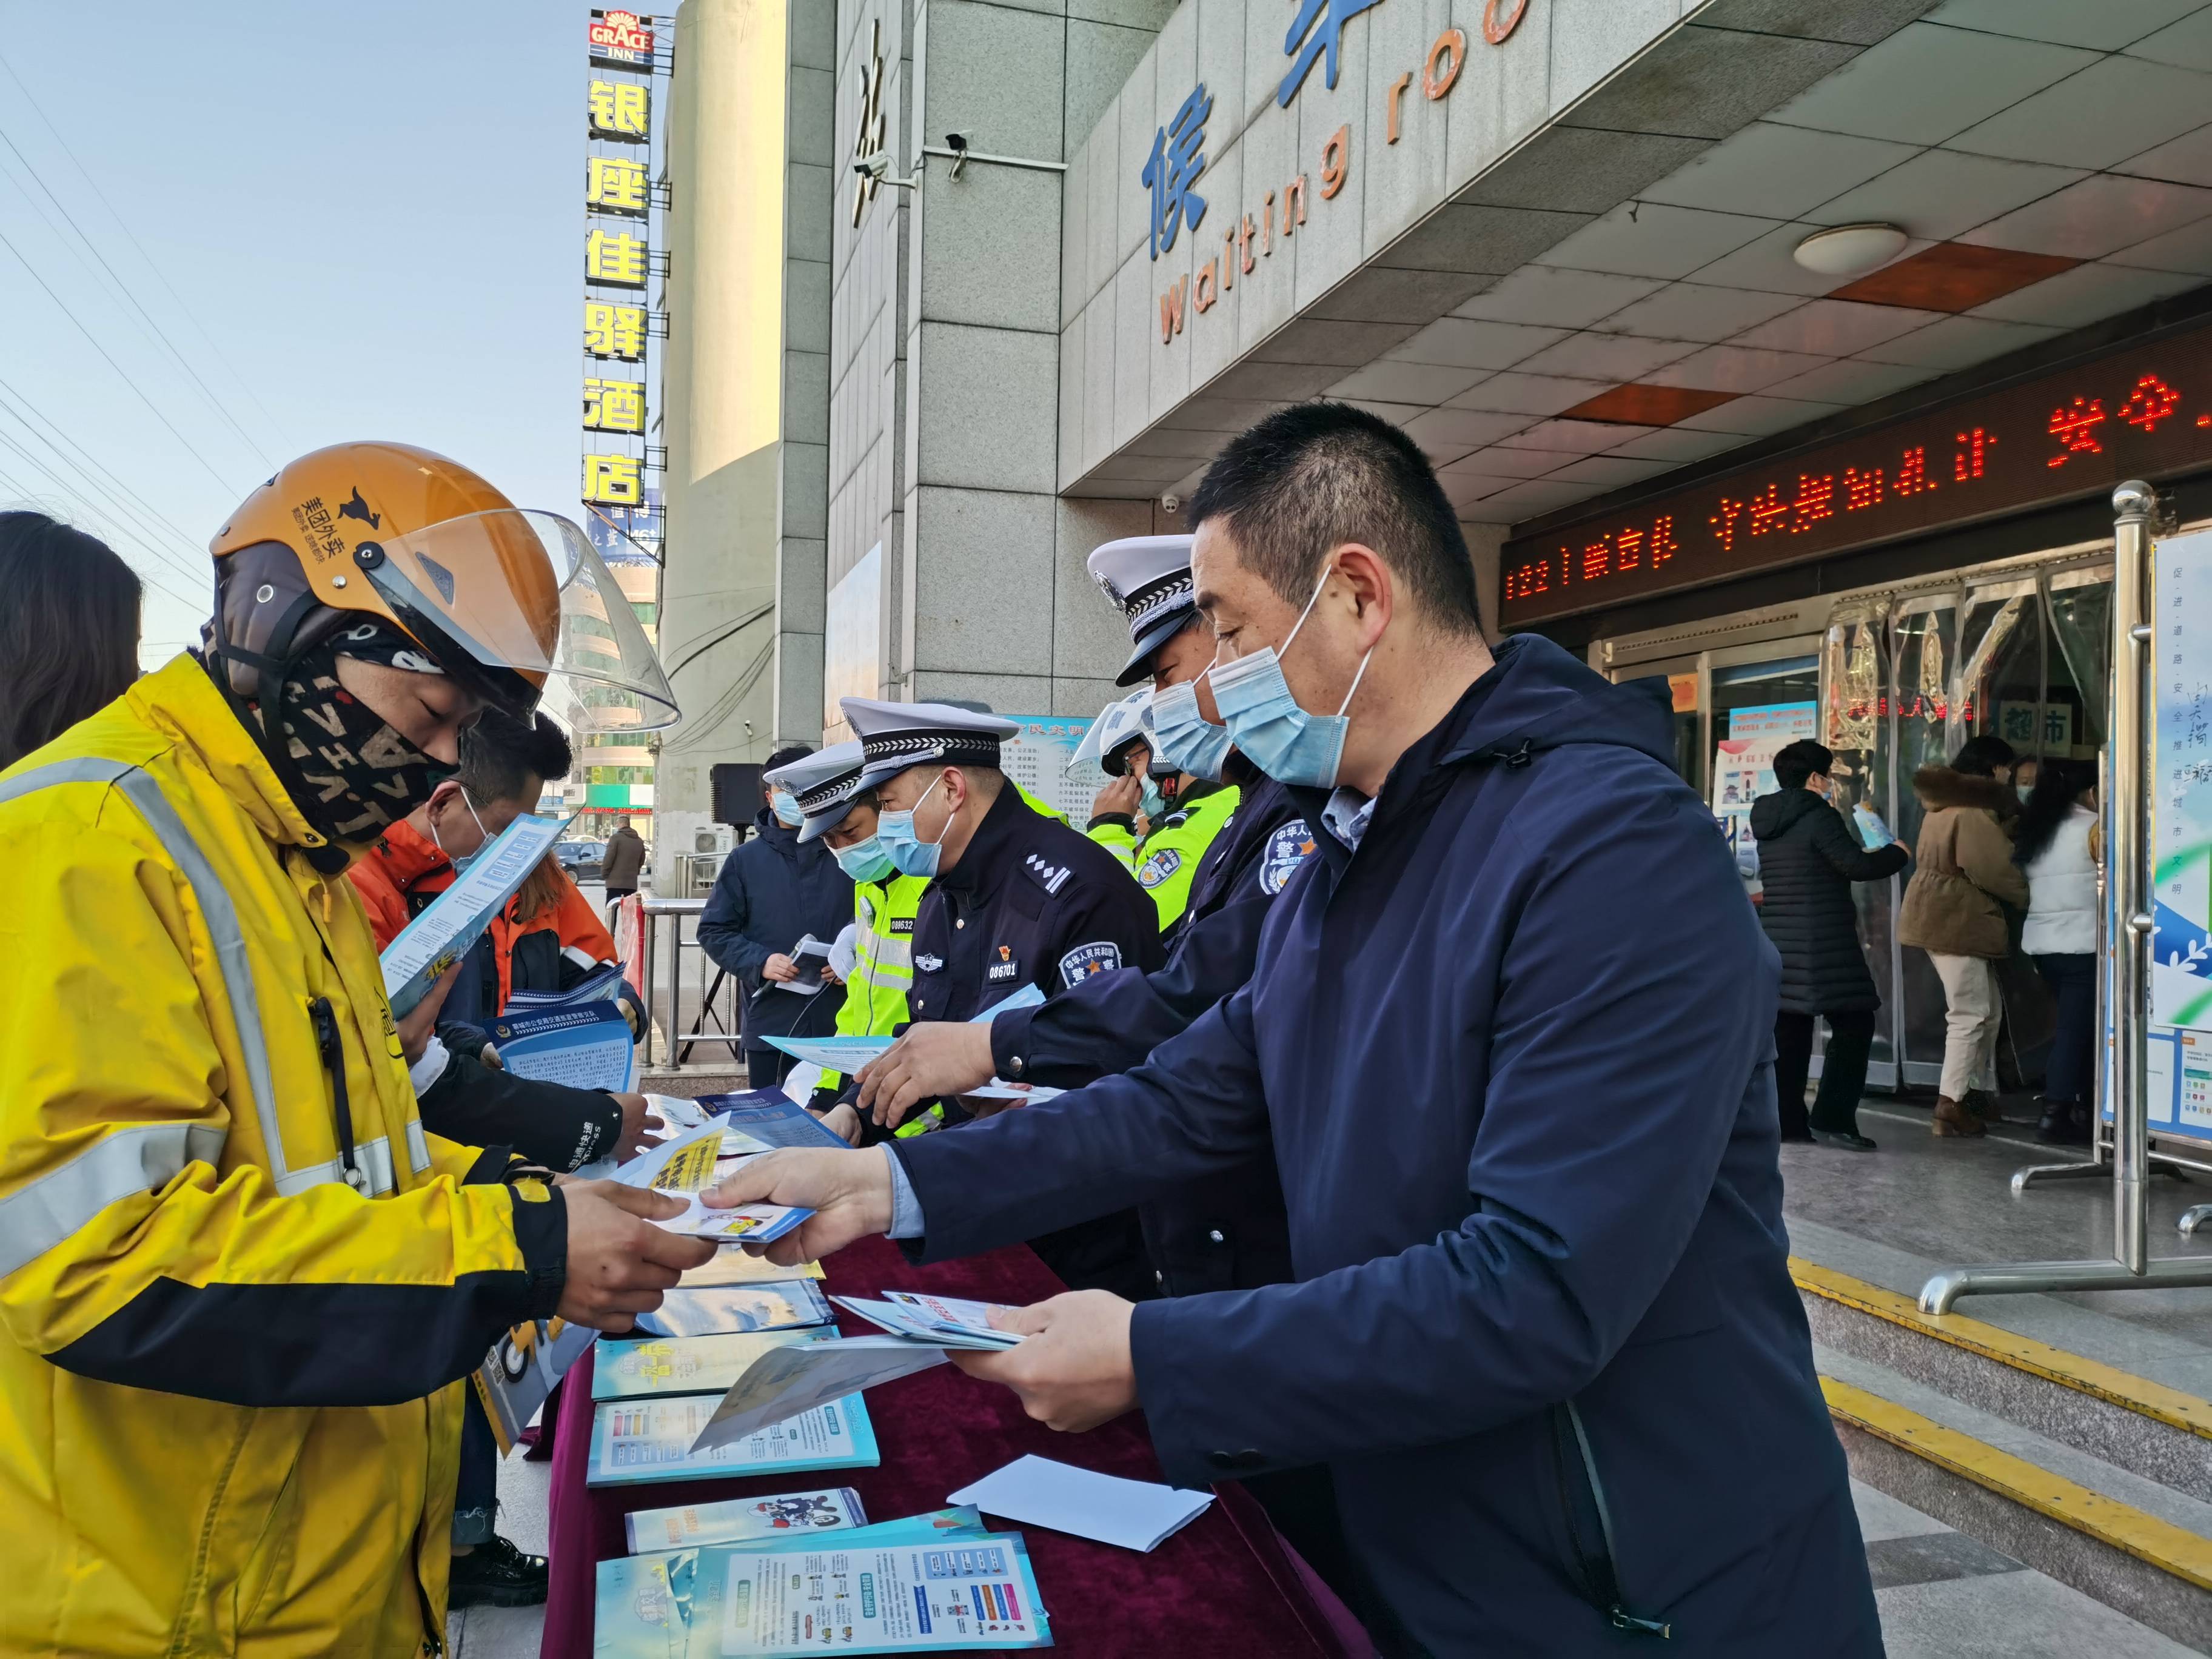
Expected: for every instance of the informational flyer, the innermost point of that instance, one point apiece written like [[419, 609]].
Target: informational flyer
[[442, 935], [964, 1592], [1743, 769], [682, 1163], [780, 1517], [2181, 801], [519, 1373], [632, 1368], [640, 1441], [1036, 757], [701, 1310], [587, 1047]]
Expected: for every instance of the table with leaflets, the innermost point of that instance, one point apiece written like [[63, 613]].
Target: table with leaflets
[[1225, 1585]]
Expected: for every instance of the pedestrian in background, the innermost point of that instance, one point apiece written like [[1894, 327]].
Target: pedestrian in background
[[623, 866], [1954, 911], [772, 892], [2057, 847], [1808, 859], [68, 629]]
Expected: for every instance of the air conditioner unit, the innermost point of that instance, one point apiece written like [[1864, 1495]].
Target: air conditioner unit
[[712, 838]]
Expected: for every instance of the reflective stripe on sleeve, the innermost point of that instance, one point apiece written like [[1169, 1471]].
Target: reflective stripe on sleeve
[[142, 1159]]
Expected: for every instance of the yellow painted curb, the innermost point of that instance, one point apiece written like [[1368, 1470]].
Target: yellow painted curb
[[2070, 1371], [2170, 1548]]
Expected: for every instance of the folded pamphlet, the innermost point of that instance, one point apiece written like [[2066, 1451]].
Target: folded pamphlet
[[603, 984], [951, 1321], [787, 1381], [517, 1375], [585, 1047], [645, 1600], [682, 1163], [748, 1223], [640, 1440], [743, 1268], [1135, 1515], [704, 1309], [1872, 830], [768, 1116], [457, 918], [632, 1368], [781, 1517]]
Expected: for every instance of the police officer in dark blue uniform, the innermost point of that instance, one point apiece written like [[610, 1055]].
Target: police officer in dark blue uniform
[[1016, 899], [1227, 1232]]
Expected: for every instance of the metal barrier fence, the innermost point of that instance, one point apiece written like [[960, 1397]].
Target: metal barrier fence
[[661, 971]]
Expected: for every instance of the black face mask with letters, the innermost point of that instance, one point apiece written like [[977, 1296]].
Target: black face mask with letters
[[361, 775]]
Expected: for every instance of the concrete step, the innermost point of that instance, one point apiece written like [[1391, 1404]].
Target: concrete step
[[2095, 1477]]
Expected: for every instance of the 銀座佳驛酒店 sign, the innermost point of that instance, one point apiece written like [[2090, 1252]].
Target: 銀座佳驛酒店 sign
[[2074, 432]]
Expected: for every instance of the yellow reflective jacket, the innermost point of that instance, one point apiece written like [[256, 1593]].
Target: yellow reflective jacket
[[229, 1416]]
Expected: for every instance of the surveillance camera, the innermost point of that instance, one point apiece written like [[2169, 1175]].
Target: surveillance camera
[[1172, 502], [956, 141], [875, 165]]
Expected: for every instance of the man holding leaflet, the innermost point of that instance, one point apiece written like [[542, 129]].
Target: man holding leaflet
[[1544, 1333]]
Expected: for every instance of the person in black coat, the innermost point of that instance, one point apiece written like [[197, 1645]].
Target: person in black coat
[[772, 892], [1808, 859]]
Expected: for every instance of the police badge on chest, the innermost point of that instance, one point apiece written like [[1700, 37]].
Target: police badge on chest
[[1005, 967]]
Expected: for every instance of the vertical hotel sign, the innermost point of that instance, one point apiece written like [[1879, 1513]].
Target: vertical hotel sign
[[622, 197]]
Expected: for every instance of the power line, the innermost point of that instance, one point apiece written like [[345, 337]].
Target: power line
[[111, 363], [84, 509], [83, 461], [123, 289], [54, 132]]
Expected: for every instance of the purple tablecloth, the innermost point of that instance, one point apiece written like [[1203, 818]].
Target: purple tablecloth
[[1226, 1586]]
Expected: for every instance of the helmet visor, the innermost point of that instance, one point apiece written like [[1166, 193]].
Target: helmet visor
[[525, 593]]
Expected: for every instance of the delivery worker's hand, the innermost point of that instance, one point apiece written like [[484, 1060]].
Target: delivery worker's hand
[[931, 1057], [619, 1262], [849, 1192], [638, 1117], [1072, 1368], [422, 1022]]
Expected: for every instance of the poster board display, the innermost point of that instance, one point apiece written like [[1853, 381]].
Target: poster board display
[[1743, 769], [1036, 757], [2180, 1072]]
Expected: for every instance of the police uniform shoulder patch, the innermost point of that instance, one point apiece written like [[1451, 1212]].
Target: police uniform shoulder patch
[[1158, 867], [1048, 875], [1086, 960], [1288, 848]]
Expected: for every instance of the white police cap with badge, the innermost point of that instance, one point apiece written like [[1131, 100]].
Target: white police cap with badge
[[894, 736], [823, 783], [1118, 726], [1149, 578]]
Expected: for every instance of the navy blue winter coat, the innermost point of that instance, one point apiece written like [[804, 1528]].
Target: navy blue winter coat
[[1516, 1053], [771, 893]]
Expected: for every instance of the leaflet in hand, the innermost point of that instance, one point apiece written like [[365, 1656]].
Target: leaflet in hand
[[701, 1310], [833, 1053], [783, 1517], [998, 1089], [858, 1597], [652, 1440], [785, 1382], [682, 1163], [772, 1119], [645, 1601], [743, 1268], [585, 1047], [456, 919], [633, 1368], [1872, 830], [519, 1373], [951, 1321], [748, 1223], [603, 984]]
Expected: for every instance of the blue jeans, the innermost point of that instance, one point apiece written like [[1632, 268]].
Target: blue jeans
[[475, 1493]]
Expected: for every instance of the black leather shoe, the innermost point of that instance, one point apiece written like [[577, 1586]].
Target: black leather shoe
[[496, 1574], [1846, 1138], [2064, 1123]]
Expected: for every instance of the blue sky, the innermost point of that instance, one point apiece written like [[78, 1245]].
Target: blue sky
[[374, 211]]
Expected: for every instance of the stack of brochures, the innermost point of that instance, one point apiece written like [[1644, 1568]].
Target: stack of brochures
[[774, 1518], [779, 1305], [936, 1582], [602, 984], [636, 1441], [633, 1368], [946, 1322]]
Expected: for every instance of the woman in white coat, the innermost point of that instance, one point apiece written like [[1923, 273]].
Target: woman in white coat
[[2056, 845]]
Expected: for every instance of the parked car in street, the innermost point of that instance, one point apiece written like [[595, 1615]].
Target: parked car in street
[[580, 859]]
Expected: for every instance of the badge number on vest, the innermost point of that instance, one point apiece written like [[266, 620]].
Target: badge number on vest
[[1005, 968]]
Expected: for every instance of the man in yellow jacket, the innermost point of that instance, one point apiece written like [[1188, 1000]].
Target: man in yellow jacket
[[239, 1283]]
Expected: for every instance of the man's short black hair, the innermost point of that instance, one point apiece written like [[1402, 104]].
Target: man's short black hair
[[784, 756], [1315, 476], [500, 755], [1794, 762], [1980, 757]]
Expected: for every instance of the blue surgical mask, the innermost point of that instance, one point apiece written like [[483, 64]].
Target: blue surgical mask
[[462, 861], [785, 805], [1267, 723], [864, 860], [1151, 802], [1184, 738], [910, 855]]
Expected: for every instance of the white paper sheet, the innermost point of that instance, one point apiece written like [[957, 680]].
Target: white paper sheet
[[1137, 1514]]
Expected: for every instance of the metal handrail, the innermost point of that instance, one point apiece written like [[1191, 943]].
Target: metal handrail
[[2127, 963], [674, 1042]]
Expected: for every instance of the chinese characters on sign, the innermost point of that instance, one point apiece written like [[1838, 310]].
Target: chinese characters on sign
[[1322, 42], [868, 129], [614, 406], [612, 184], [614, 330], [613, 479], [1174, 168], [621, 110], [2143, 412]]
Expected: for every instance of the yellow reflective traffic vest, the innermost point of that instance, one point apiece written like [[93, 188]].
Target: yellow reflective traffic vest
[[230, 1422], [1168, 859], [883, 960]]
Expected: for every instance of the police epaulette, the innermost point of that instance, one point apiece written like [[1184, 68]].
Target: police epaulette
[[1049, 876]]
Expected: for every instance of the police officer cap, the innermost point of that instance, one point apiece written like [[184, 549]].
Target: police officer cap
[[823, 783], [1119, 727], [1149, 577], [894, 736]]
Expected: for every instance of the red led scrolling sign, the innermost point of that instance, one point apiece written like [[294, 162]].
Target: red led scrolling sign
[[2145, 411]]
